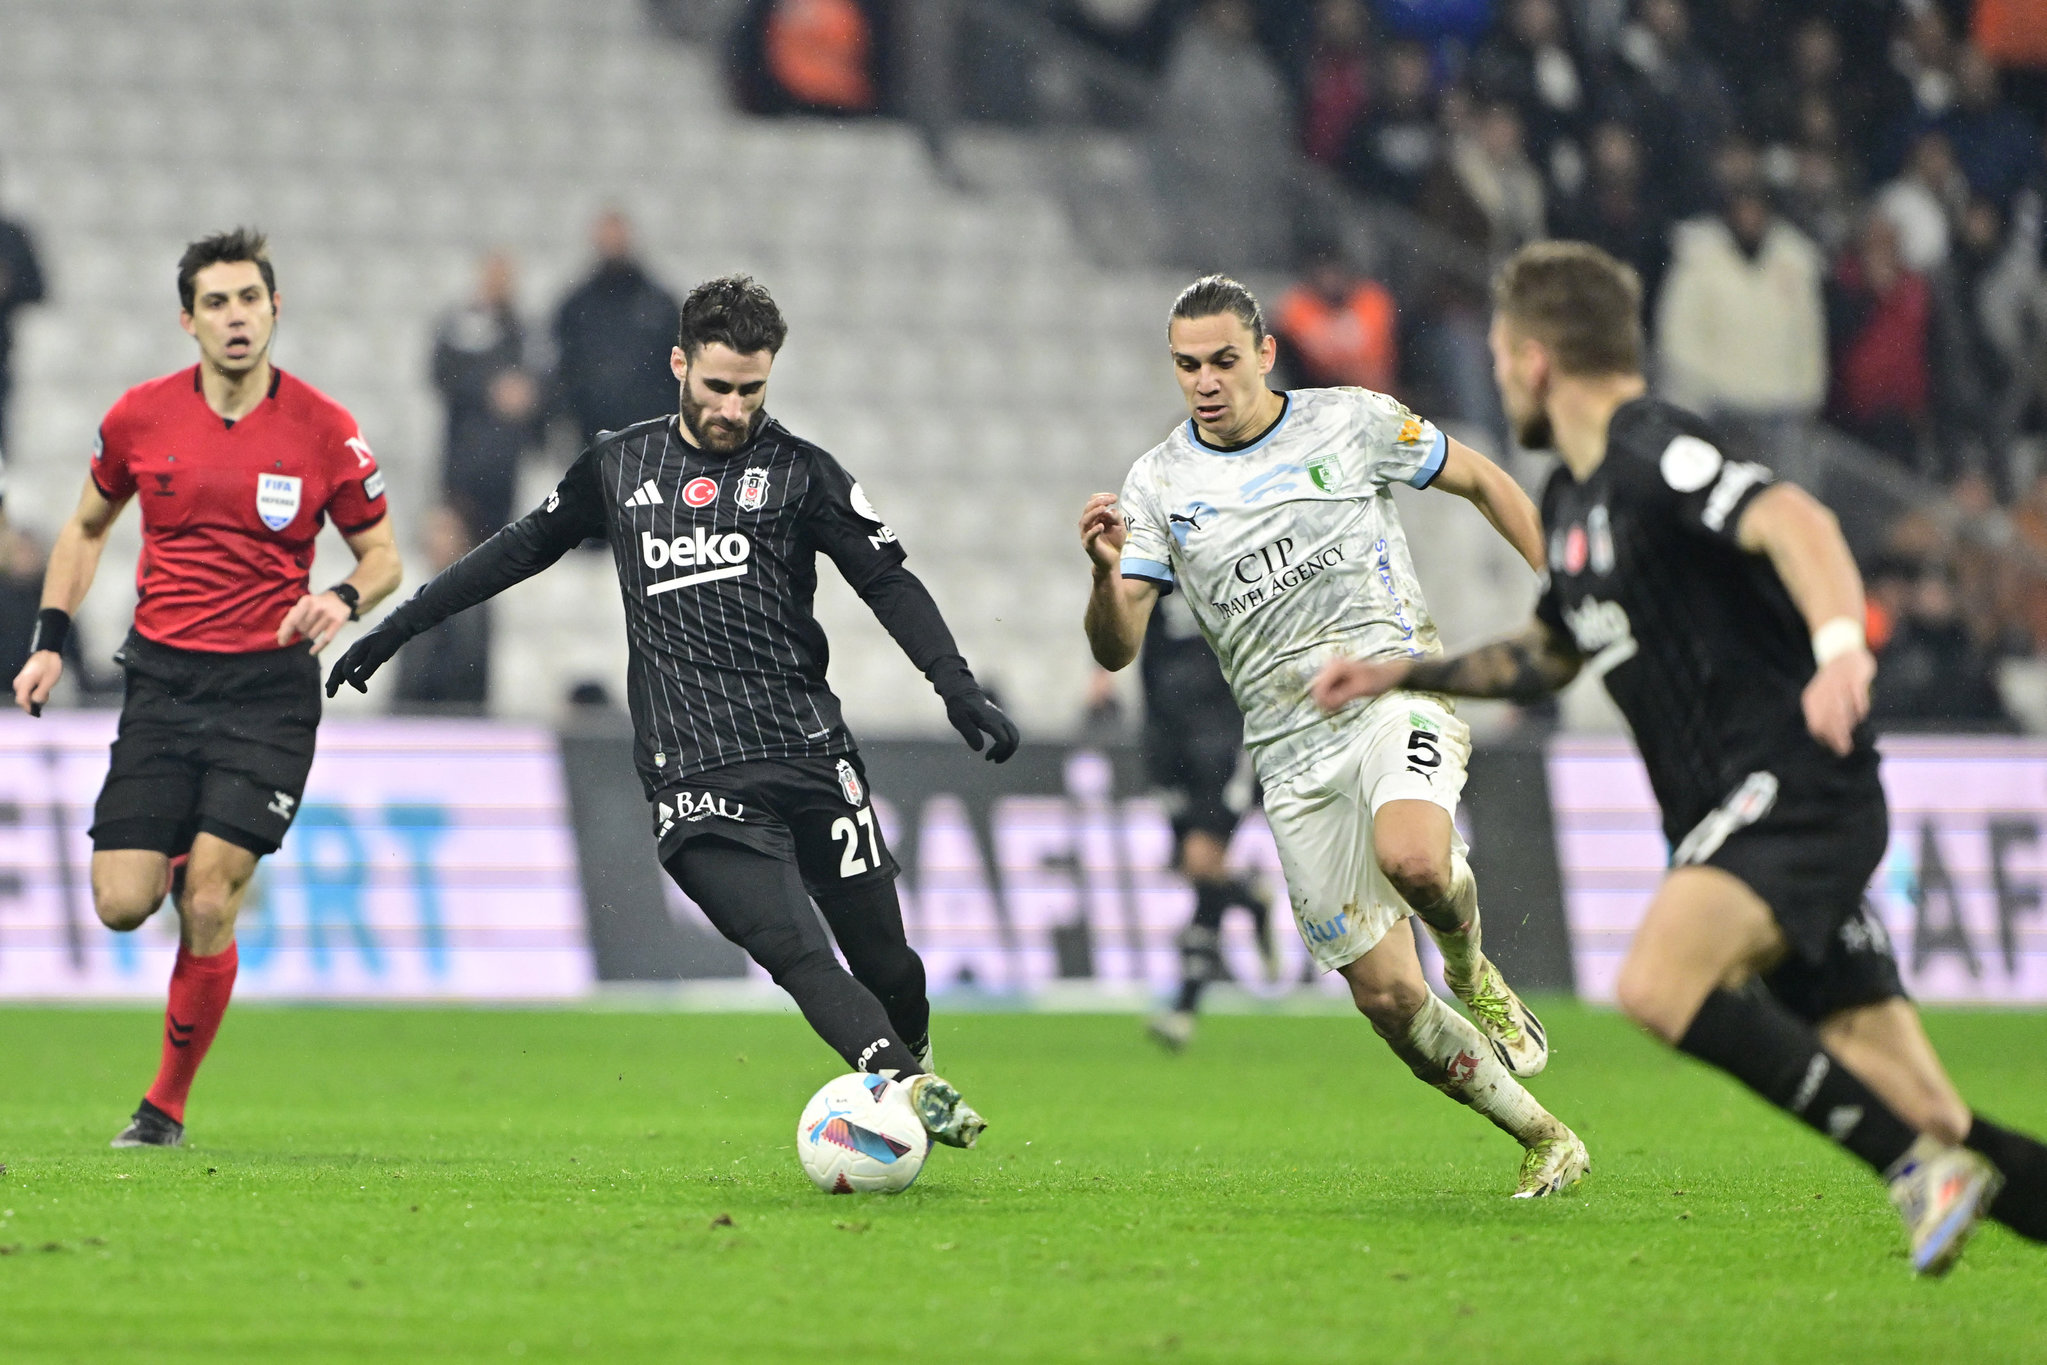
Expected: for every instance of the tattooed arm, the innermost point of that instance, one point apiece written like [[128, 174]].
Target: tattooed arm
[[1521, 668]]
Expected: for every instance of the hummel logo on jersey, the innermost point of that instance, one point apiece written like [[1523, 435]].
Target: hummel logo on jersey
[[646, 495], [730, 550]]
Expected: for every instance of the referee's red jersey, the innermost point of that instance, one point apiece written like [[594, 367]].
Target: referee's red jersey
[[230, 509]]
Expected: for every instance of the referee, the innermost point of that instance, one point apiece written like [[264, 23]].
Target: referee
[[716, 516], [237, 466]]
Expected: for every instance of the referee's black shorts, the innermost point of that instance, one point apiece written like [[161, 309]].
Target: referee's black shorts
[[1810, 855], [213, 743]]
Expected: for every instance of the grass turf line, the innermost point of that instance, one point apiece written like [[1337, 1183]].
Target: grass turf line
[[385, 1185]]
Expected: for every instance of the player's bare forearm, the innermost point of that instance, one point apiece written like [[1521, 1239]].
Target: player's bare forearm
[[379, 569], [1499, 499], [1523, 668], [1804, 543], [1118, 609], [75, 557]]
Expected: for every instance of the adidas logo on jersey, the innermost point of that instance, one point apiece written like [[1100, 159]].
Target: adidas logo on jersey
[[646, 495]]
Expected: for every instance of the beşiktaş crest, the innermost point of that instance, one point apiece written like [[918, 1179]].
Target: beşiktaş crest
[[849, 784], [753, 490], [277, 499]]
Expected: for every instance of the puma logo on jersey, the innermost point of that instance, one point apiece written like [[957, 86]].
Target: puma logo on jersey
[[646, 495]]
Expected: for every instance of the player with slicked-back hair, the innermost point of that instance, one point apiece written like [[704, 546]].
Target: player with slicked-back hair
[[1271, 515], [237, 465], [716, 516], [1724, 613]]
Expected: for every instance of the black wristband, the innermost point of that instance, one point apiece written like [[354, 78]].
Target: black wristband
[[53, 627], [349, 597], [949, 676]]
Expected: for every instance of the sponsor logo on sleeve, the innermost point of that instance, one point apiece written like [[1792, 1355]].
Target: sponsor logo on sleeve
[[277, 499], [700, 492], [883, 534], [373, 486], [1689, 464], [99, 447], [363, 458]]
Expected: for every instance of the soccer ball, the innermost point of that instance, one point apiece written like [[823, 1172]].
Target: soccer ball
[[860, 1135]]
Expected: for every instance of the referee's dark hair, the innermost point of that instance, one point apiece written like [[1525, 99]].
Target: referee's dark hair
[[1213, 295], [1578, 301], [734, 310], [239, 244]]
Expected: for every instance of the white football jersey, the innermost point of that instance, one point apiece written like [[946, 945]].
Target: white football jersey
[[1290, 553]]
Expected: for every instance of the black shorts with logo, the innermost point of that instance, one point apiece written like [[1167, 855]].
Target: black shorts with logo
[[213, 743], [815, 812], [1809, 851], [1194, 759]]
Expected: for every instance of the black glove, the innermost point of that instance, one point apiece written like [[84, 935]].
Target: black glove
[[970, 710], [365, 657]]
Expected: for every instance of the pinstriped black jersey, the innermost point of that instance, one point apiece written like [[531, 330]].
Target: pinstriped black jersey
[[717, 565], [1698, 641]]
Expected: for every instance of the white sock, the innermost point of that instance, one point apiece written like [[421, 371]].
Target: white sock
[[1459, 943], [1443, 1048]]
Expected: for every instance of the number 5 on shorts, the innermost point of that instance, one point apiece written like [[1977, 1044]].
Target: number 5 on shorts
[[851, 864], [1422, 753]]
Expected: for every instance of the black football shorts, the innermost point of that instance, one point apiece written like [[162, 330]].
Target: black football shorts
[[1808, 844], [213, 743], [815, 812], [1194, 760]]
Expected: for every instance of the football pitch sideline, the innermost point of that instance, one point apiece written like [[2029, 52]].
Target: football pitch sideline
[[412, 1185]]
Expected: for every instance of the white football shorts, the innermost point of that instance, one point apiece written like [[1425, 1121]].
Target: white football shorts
[[1405, 746]]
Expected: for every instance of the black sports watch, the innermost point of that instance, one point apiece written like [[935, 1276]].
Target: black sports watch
[[347, 593]]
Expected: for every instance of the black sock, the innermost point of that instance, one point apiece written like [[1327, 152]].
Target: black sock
[[2022, 1204], [1200, 951], [1764, 1046], [868, 923], [1240, 893], [759, 903]]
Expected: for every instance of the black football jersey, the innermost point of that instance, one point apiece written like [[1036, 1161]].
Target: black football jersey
[[717, 564], [1698, 641], [1183, 682]]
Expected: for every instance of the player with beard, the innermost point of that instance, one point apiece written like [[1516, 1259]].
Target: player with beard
[[237, 466], [1724, 612], [760, 802]]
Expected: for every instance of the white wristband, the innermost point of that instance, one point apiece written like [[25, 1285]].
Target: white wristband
[[1842, 635]]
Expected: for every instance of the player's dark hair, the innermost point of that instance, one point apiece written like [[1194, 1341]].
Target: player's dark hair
[[1212, 296], [733, 310], [239, 244], [1578, 301]]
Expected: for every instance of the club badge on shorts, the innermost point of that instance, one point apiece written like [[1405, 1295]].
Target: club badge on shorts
[[277, 499], [849, 784], [753, 490]]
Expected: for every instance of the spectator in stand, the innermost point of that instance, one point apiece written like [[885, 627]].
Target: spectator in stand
[[1745, 40], [1336, 327], [1741, 324], [1682, 105], [1614, 212], [1337, 83], [1931, 672], [1995, 147], [1223, 144], [21, 284], [612, 336], [1880, 322], [806, 57], [1778, 110], [490, 397], [447, 669], [1395, 148], [1924, 201], [1531, 64], [1816, 177], [1487, 191]]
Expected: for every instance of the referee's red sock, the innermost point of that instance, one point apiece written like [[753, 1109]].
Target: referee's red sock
[[200, 987]]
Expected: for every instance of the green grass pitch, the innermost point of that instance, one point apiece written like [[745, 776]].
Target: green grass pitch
[[438, 1185]]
